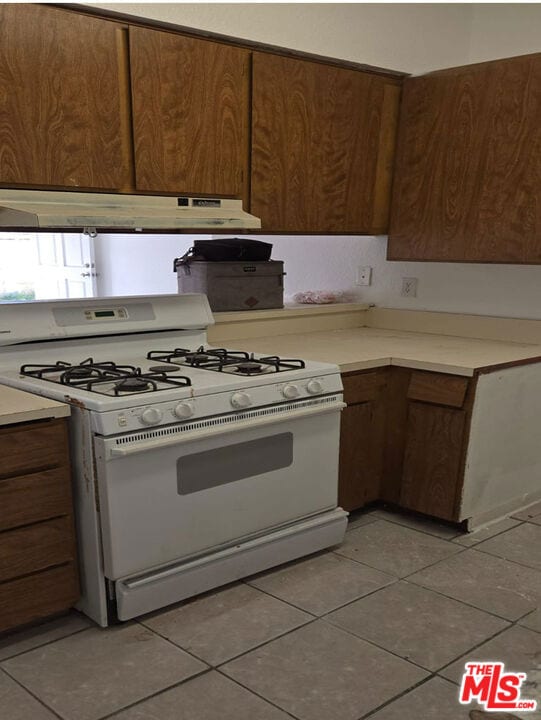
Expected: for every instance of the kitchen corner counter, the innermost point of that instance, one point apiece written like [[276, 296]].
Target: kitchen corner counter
[[18, 406], [362, 348]]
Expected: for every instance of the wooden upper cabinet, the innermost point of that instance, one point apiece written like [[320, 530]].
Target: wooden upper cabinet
[[467, 183], [322, 146], [61, 112], [190, 114]]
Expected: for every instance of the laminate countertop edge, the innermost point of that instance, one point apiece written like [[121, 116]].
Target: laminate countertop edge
[[17, 406]]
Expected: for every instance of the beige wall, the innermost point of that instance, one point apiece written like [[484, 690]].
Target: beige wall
[[499, 31], [409, 37]]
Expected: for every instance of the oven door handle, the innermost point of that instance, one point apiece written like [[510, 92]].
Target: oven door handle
[[213, 431]]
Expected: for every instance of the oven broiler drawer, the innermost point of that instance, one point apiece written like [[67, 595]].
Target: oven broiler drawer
[[166, 497], [145, 593]]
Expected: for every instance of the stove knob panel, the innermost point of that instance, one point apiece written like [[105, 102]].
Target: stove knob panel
[[314, 387], [151, 416], [290, 391], [241, 400], [184, 410]]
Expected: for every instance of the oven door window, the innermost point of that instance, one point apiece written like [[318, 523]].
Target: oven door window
[[223, 465]]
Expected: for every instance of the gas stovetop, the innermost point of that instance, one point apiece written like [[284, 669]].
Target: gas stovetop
[[107, 377], [229, 361]]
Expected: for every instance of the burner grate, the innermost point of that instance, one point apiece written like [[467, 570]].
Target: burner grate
[[106, 378], [222, 360]]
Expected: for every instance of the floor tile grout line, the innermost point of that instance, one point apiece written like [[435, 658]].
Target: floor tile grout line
[[371, 713], [253, 692], [464, 602], [338, 607], [379, 647], [426, 567], [497, 534], [42, 645], [267, 642], [312, 619], [418, 529], [170, 642], [501, 557], [475, 647], [407, 527], [32, 694], [129, 706]]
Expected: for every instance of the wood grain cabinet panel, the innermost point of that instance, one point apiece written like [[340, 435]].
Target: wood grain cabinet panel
[[322, 146], [61, 121], [38, 554], [33, 597], [190, 114], [433, 459], [467, 183], [36, 547], [37, 496], [361, 439], [36, 446], [438, 388]]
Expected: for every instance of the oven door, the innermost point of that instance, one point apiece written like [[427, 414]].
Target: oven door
[[184, 490]]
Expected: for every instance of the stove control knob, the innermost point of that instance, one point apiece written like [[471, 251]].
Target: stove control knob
[[184, 410], [151, 416], [290, 391], [240, 400], [314, 387]]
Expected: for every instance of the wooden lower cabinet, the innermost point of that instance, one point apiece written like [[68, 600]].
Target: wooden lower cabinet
[[38, 555], [361, 439], [403, 440], [432, 460]]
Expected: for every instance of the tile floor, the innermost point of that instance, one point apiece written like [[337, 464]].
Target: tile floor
[[378, 628]]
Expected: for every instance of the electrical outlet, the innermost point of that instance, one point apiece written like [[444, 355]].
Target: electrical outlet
[[409, 287], [364, 275]]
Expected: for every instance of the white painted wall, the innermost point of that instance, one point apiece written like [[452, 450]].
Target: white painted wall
[[414, 38], [138, 264], [133, 265]]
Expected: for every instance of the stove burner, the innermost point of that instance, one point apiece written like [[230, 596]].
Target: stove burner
[[134, 383], [80, 372], [249, 368], [197, 357], [163, 368]]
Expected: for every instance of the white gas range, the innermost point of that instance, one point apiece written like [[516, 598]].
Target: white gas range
[[193, 466]]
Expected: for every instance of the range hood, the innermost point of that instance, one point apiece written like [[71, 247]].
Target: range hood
[[91, 212]]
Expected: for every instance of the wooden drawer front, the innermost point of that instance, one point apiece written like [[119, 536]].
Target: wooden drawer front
[[37, 596], [30, 498], [437, 388], [24, 448], [362, 387], [29, 549]]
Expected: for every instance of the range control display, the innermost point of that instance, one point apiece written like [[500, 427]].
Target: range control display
[[107, 314]]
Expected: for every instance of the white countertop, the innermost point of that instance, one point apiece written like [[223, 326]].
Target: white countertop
[[362, 348], [18, 406]]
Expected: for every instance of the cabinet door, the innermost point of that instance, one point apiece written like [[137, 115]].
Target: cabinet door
[[360, 471], [190, 114], [322, 146], [61, 115], [362, 436], [433, 459], [467, 183]]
